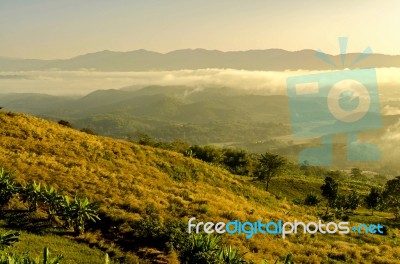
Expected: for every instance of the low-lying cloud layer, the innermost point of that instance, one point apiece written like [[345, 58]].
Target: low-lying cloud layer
[[83, 82]]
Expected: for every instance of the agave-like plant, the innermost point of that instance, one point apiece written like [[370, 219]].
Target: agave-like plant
[[8, 239], [288, 260], [32, 194], [205, 243], [48, 260], [8, 187], [53, 200], [231, 255], [78, 212]]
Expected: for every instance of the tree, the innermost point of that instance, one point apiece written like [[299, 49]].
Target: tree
[[270, 165], [144, 139], [330, 191], [340, 202], [391, 196], [373, 199], [352, 201]]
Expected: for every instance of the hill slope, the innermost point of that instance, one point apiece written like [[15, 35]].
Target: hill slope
[[133, 183]]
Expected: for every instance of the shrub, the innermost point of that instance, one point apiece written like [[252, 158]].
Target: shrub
[[206, 249], [311, 199], [207, 153], [88, 131], [231, 255], [202, 249], [65, 123]]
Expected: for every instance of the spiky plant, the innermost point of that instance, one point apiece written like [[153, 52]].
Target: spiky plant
[[8, 239], [8, 187], [231, 255], [53, 201], [79, 212], [32, 194]]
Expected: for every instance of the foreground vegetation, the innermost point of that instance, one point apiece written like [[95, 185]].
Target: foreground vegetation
[[146, 195]]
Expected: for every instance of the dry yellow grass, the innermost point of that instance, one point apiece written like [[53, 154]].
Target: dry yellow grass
[[128, 179]]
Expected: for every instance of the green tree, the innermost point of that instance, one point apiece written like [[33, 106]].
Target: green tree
[[353, 201], [373, 199], [330, 191], [270, 165], [391, 196]]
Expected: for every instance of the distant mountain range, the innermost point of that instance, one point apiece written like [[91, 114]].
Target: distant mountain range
[[143, 60]]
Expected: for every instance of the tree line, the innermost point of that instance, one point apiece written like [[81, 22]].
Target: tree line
[[381, 199]]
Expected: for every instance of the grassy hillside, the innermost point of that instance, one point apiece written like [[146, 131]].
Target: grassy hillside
[[140, 189]]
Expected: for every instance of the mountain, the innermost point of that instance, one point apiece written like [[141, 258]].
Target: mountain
[[199, 115], [146, 196], [143, 60]]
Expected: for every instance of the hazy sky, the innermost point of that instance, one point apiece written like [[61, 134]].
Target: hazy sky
[[66, 28]]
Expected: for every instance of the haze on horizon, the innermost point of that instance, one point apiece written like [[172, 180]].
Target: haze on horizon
[[47, 29]]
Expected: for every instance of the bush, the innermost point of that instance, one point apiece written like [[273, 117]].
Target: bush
[[88, 131], [152, 232], [207, 153], [65, 123], [202, 249], [311, 199]]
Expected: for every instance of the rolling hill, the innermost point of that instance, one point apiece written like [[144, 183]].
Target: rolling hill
[[167, 112], [142, 190]]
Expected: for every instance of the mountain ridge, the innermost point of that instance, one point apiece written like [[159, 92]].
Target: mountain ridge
[[145, 60]]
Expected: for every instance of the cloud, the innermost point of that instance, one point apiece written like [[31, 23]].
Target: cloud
[[85, 81]]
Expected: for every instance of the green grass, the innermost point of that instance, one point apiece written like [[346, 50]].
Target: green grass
[[72, 251]]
